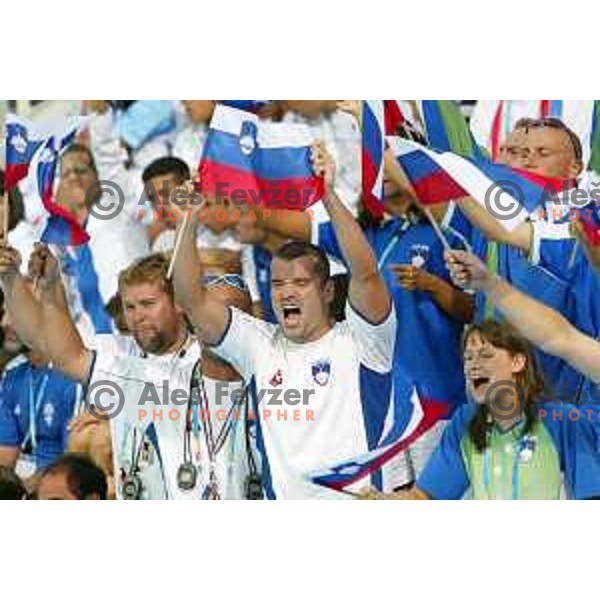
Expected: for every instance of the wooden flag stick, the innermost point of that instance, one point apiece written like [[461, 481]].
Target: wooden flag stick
[[6, 216], [436, 227], [180, 231]]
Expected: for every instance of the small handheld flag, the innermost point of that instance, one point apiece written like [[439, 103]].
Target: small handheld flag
[[62, 228], [21, 147]]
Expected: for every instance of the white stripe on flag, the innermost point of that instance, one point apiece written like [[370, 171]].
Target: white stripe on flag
[[466, 174], [269, 135]]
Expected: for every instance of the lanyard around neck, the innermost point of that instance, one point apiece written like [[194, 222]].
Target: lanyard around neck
[[34, 409], [407, 223]]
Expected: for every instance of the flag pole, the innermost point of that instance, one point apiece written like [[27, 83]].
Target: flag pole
[[180, 231], [6, 216], [436, 227]]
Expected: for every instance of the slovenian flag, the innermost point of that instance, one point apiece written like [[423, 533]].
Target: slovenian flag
[[422, 416], [259, 162], [62, 228], [21, 147], [379, 118], [590, 222], [508, 194]]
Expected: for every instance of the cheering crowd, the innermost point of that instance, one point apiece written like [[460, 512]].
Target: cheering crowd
[[425, 352]]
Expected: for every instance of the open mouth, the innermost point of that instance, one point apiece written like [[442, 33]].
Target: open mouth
[[291, 314], [480, 382]]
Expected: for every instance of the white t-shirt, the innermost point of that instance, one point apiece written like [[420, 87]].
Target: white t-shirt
[[158, 436], [145, 381], [228, 438], [338, 387]]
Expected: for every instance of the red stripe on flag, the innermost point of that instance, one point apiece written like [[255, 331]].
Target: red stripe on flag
[[497, 131], [432, 413], [392, 116], [371, 203], [556, 185], [243, 186], [545, 108], [437, 188], [13, 174]]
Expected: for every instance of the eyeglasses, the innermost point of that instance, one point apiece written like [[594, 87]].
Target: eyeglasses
[[553, 123], [231, 279]]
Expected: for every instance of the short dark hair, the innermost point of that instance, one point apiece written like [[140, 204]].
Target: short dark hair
[[167, 165], [84, 477], [11, 487], [77, 148], [16, 207], [297, 249]]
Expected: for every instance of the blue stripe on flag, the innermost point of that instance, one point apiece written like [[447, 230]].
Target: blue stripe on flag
[[267, 163]]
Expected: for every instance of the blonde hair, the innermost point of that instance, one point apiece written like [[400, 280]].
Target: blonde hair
[[150, 269]]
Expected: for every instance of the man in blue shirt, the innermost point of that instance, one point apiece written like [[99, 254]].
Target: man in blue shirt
[[36, 405]]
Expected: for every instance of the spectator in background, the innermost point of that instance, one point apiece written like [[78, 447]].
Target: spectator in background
[[91, 270], [342, 137], [11, 487], [36, 401], [72, 477], [189, 142], [160, 178], [91, 437]]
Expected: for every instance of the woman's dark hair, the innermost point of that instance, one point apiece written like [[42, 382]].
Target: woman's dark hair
[[530, 382], [83, 476], [16, 208]]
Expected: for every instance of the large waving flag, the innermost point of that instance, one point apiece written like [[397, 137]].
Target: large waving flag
[[379, 118], [62, 228], [21, 147], [508, 194], [259, 162], [402, 434]]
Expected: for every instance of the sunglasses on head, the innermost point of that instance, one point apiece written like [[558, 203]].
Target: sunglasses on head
[[553, 123], [231, 279]]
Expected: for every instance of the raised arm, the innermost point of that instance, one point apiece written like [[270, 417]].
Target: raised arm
[[208, 314], [367, 291], [520, 237], [63, 344], [540, 324], [24, 309]]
